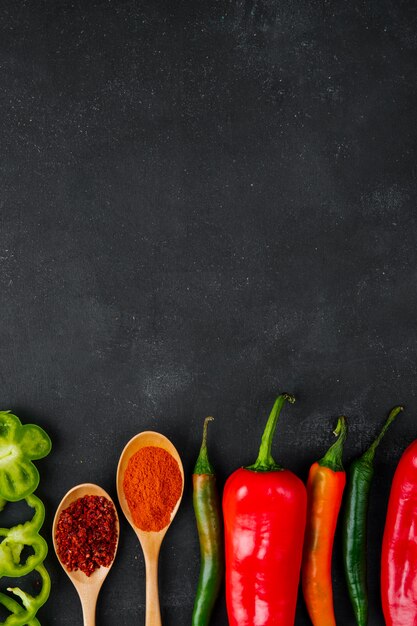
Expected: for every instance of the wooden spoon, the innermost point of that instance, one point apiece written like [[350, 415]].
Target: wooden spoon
[[88, 587], [149, 540]]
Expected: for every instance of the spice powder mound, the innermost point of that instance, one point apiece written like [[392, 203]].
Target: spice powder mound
[[152, 485], [86, 534]]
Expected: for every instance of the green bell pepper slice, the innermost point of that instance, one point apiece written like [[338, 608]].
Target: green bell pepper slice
[[19, 446], [24, 614], [15, 608], [19, 536]]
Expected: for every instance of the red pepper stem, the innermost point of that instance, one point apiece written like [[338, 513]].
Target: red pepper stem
[[265, 461], [333, 457], [369, 455], [203, 465]]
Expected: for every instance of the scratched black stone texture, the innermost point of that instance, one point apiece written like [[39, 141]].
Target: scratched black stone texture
[[202, 204]]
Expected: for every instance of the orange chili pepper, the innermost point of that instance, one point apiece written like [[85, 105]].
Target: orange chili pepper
[[325, 485]]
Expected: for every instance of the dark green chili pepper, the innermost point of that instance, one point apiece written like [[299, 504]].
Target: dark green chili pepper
[[354, 529], [207, 512]]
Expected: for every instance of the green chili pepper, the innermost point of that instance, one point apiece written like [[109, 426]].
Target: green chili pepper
[[207, 512], [19, 536], [24, 614], [19, 445], [354, 529]]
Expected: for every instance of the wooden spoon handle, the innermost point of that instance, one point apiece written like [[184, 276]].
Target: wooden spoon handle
[[153, 613], [88, 603]]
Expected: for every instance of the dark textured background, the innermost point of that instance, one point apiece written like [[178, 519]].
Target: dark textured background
[[203, 203]]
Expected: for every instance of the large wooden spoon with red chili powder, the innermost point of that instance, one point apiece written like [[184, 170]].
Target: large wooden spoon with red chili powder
[[150, 483]]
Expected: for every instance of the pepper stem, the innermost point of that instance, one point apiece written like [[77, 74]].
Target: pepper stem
[[203, 465], [369, 455], [333, 457], [265, 461]]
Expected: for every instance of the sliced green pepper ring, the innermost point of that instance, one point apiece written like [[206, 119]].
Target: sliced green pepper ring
[[24, 614], [19, 536], [19, 445], [16, 610]]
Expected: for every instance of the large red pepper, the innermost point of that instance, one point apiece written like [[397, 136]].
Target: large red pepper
[[264, 509], [399, 546]]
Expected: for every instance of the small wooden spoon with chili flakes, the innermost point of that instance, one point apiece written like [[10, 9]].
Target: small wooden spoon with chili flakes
[[88, 587], [150, 540]]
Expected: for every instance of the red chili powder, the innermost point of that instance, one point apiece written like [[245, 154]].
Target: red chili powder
[[86, 534], [152, 484]]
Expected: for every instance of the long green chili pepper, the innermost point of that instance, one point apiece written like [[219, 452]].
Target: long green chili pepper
[[207, 511], [354, 529]]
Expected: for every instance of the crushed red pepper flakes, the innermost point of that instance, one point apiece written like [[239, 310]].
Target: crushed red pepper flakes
[[86, 534]]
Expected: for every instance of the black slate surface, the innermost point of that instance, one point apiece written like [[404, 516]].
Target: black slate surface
[[202, 204]]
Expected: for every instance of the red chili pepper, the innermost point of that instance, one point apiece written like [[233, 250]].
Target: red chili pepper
[[325, 485], [399, 546], [264, 509]]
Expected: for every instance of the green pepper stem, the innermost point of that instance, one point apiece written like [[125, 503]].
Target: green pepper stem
[[369, 455], [203, 465], [333, 457], [265, 461]]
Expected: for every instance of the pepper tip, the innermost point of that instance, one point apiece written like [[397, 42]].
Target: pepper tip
[[340, 423]]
